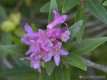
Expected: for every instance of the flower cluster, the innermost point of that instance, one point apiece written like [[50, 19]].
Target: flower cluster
[[45, 45]]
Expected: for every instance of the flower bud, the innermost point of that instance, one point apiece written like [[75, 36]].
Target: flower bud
[[8, 26], [15, 18]]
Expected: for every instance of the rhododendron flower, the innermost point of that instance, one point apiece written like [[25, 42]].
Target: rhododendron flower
[[46, 45]]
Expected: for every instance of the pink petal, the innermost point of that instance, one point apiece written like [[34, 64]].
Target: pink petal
[[65, 36], [58, 19], [28, 28], [57, 59], [35, 65], [64, 52], [29, 39], [58, 45], [47, 45], [47, 57], [56, 14], [25, 40], [51, 25]]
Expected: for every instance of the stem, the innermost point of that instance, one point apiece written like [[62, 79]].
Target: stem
[[95, 65]]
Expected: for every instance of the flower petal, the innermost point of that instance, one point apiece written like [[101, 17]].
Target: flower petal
[[57, 59], [58, 19], [35, 64], [28, 28], [58, 45], [47, 45], [64, 52], [65, 36], [56, 14], [47, 57], [27, 40]]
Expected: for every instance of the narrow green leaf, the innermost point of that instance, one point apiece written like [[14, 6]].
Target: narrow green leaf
[[80, 16], [69, 4], [97, 10], [49, 67], [6, 38], [22, 73], [62, 73], [88, 45], [76, 61], [49, 7], [76, 29], [16, 70], [53, 6], [45, 8], [43, 76], [9, 49]]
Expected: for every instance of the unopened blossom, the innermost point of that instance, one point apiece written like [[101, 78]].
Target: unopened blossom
[[46, 45]]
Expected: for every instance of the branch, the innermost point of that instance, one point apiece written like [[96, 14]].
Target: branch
[[7, 64], [96, 66]]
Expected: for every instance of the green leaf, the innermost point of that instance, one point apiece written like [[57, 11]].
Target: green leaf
[[6, 46], [45, 8], [97, 10], [6, 38], [3, 14], [88, 45], [69, 4], [49, 7], [53, 6], [49, 67], [9, 49], [76, 29], [62, 73], [80, 16], [105, 3], [16, 73], [43, 76], [76, 61]]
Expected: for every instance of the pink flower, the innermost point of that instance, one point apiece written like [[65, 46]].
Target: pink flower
[[58, 19], [45, 45]]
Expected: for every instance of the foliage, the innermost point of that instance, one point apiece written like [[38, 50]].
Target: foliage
[[14, 13]]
